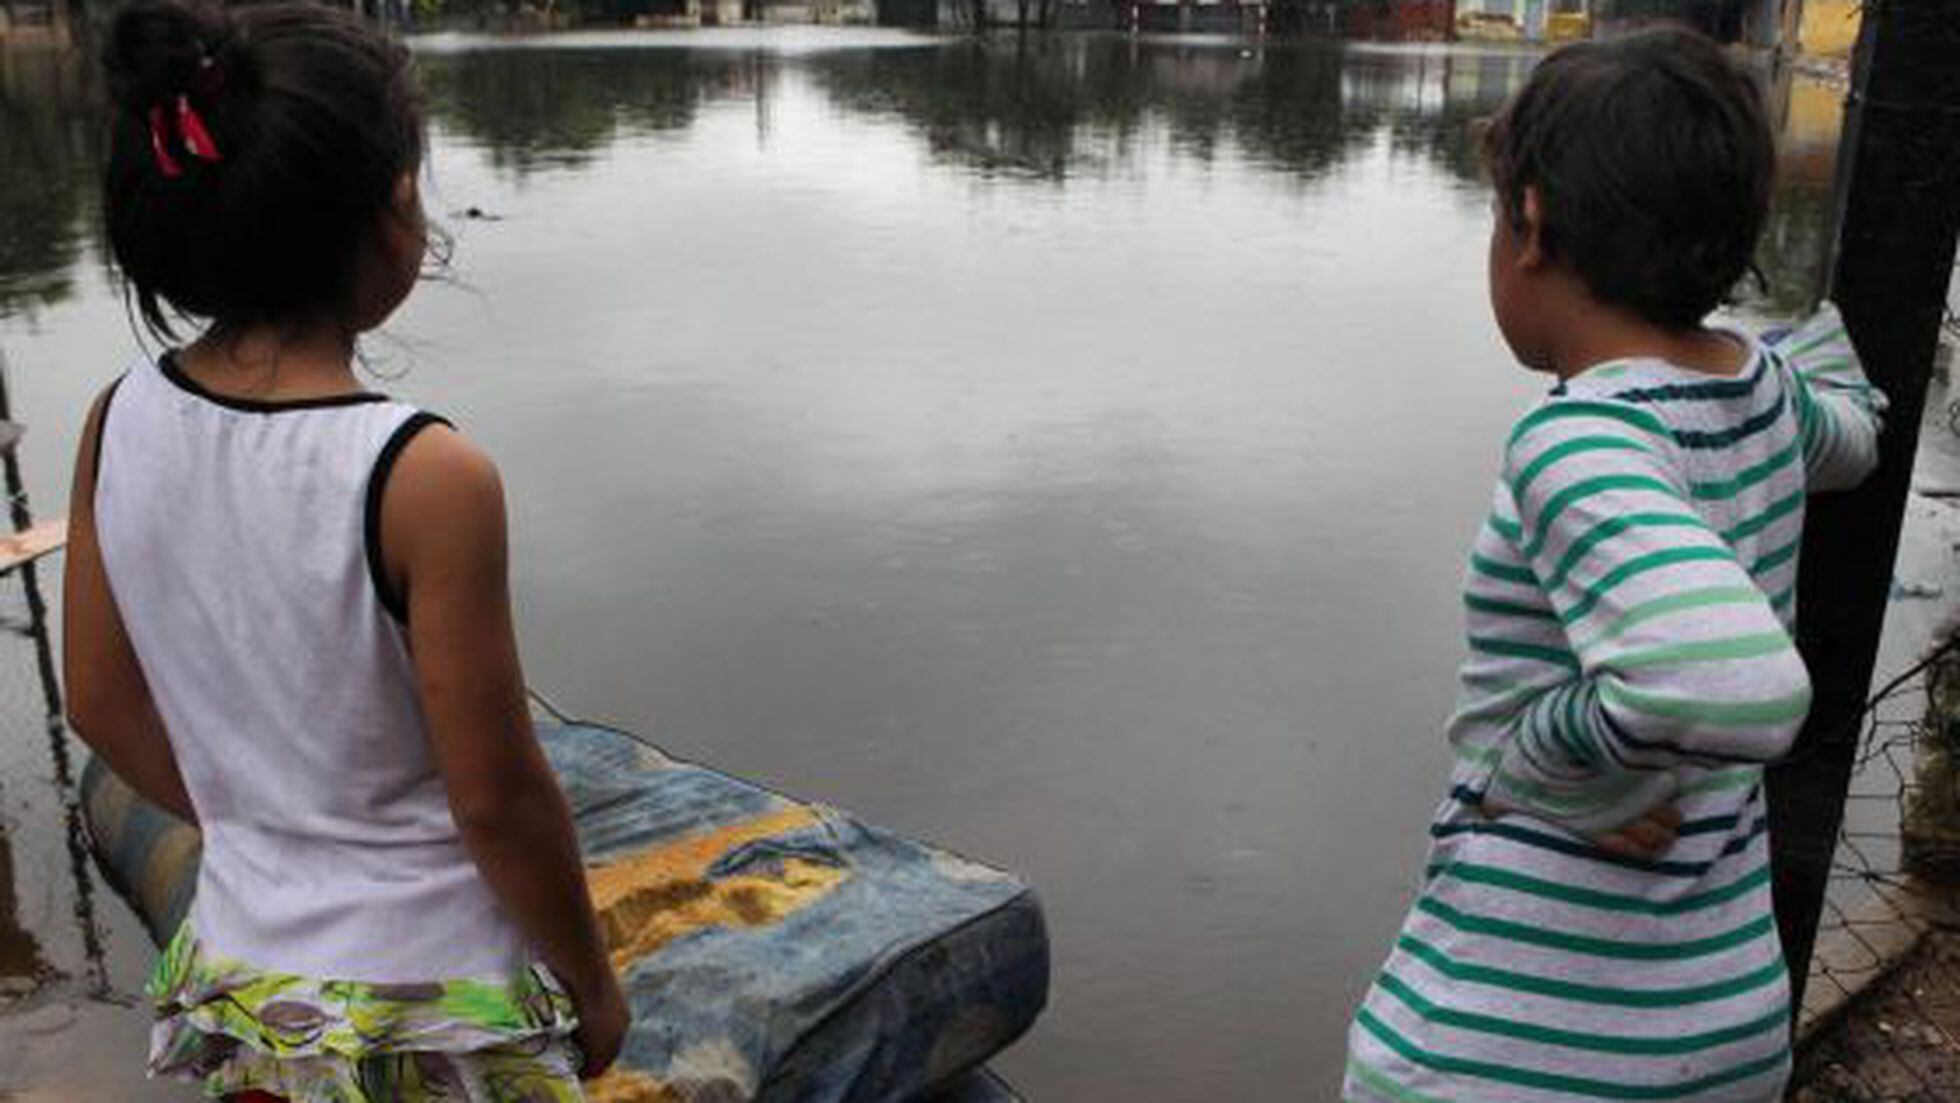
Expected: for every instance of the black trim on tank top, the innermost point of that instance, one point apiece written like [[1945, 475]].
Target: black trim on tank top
[[384, 465], [101, 431], [167, 364]]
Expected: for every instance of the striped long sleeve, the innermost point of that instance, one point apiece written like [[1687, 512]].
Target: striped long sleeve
[[1674, 652], [1839, 412]]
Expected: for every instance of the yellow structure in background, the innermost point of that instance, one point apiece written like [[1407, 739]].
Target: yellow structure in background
[[1830, 27], [1816, 121], [1568, 26]]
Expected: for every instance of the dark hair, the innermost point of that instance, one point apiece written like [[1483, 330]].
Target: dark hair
[[314, 114], [1653, 160]]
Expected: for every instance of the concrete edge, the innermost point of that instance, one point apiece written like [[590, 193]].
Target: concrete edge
[[1876, 937]]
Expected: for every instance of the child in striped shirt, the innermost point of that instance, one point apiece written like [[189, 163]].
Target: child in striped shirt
[[1595, 919]]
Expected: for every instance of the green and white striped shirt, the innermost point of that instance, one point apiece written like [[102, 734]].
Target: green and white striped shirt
[[1630, 603]]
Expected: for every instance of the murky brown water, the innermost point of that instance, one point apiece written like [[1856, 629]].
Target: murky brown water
[[1062, 452]]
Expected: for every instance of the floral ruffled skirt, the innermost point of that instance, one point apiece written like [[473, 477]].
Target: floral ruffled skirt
[[234, 1028]]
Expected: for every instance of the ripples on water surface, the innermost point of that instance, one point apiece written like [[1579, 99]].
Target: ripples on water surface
[[1064, 452]]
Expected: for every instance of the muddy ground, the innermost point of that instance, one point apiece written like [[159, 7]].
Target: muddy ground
[[1898, 1044]]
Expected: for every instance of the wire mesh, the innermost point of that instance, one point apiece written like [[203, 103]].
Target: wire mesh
[[1883, 992]]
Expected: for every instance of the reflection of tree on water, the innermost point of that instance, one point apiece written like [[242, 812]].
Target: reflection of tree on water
[[50, 146], [535, 109], [1293, 115], [1017, 106], [1053, 107]]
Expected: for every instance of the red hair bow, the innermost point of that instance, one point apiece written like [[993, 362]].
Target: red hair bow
[[188, 131]]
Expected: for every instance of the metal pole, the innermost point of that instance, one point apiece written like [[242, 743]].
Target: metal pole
[[1898, 217]]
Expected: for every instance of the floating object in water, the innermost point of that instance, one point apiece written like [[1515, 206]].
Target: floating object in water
[[772, 950]]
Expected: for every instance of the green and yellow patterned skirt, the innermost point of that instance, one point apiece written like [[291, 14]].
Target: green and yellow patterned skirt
[[234, 1028]]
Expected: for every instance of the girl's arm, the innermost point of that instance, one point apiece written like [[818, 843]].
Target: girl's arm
[[109, 703], [444, 551], [1675, 656]]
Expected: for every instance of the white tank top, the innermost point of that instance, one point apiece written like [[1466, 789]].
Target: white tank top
[[241, 543]]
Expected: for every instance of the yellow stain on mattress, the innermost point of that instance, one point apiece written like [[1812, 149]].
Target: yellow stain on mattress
[[625, 1086], [649, 899]]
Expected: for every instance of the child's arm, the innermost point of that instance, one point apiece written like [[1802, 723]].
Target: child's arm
[[1676, 656], [443, 548], [109, 703], [1840, 412]]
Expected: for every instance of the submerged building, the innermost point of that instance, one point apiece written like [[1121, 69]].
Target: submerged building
[[1761, 23], [1524, 20]]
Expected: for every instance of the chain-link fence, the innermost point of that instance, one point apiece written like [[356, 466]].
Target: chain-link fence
[[1882, 1011]]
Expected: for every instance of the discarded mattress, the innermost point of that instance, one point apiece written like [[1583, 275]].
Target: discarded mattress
[[772, 950]]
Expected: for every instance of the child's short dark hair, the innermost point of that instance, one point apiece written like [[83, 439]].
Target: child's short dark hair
[[311, 116], [1653, 161]]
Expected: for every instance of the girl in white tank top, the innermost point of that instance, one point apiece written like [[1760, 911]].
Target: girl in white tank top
[[287, 613]]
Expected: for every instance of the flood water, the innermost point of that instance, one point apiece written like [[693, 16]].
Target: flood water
[[1064, 451]]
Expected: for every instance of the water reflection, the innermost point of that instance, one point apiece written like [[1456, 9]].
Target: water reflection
[[1045, 109], [1795, 248], [1430, 101], [1052, 108], [50, 147], [558, 109]]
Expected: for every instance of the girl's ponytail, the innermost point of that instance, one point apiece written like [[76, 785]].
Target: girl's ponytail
[[253, 151]]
